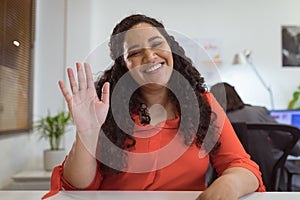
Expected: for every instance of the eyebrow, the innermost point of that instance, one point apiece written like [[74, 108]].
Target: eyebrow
[[149, 40]]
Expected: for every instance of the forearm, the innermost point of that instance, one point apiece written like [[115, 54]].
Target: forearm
[[80, 166], [242, 180], [234, 183]]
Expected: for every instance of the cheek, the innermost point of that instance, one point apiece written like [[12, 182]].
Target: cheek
[[135, 74], [132, 63], [129, 64], [166, 51], [168, 55]]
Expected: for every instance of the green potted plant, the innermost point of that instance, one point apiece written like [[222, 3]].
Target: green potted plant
[[293, 102], [52, 128]]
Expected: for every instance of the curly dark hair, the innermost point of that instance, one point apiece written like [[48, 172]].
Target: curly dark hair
[[119, 134]]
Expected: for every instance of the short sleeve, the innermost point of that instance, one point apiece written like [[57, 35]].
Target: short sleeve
[[231, 152]]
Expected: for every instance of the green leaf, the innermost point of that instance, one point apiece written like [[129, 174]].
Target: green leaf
[[53, 127], [292, 103]]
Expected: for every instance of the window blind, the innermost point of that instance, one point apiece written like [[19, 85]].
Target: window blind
[[16, 64]]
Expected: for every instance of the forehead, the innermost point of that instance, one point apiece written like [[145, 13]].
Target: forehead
[[140, 33]]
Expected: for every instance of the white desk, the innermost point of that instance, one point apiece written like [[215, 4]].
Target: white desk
[[136, 195]]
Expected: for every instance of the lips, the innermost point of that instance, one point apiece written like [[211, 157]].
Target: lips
[[153, 68]]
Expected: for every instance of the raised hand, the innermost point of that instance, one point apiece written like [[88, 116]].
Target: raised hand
[[87, 110]]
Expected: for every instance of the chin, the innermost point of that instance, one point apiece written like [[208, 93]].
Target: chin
[[155, 86]]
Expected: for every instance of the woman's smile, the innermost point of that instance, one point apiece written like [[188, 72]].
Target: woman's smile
[[154, 68]]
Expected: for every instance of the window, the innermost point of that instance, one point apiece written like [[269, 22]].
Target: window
[[16, 64]]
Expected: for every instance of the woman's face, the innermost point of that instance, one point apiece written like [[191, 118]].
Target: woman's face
[[147, 55]]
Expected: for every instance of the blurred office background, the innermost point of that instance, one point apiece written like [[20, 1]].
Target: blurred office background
[[68, 30]]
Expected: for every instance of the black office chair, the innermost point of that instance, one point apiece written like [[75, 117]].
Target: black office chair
[[256, 141], [291, 169]]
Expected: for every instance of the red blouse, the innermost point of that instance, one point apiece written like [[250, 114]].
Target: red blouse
[[171, 164]]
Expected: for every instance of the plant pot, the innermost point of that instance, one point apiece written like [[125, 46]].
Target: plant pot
[[53, 158]]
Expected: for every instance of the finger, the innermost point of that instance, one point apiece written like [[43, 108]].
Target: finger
[[65, 92], [105, 93], [72, 81], [89, 76], [81, 80]]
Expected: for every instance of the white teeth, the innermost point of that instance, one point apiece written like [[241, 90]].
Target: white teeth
[[153, 68]]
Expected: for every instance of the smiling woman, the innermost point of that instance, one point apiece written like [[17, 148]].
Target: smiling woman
[[147, 56], [150, 124], [16, 31]]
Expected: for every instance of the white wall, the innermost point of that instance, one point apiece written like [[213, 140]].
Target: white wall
[[68, 30], [240, 24]]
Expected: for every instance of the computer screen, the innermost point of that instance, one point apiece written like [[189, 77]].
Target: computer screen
[[290, 117]]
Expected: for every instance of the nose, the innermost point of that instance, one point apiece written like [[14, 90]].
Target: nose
[[149, 55]]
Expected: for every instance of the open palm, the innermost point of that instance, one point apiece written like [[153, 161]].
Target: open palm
[[87, 110]]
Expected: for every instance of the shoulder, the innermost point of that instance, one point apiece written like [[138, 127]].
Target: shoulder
[[208, 96]]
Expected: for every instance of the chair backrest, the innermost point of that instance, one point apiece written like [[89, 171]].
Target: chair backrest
[[255, 138]]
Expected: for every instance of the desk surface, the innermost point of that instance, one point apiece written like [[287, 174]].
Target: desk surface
[[137, 195]]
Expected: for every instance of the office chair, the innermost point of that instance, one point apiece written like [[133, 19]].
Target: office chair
[[291, 169], [256, 140]]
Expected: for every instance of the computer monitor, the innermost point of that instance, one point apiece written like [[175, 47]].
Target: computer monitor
[[290, 117]]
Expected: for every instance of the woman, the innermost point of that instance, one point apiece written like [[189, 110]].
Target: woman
[[173, 130]]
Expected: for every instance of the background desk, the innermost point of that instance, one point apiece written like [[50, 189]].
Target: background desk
[[30, 180], [136, 195]]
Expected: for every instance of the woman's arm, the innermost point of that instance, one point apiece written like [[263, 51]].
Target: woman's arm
[[80, 166], [88, 113], [239, 175], [234, 183]]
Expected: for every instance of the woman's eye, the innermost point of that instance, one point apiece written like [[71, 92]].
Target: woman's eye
[[156, 44], [133, 53]]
